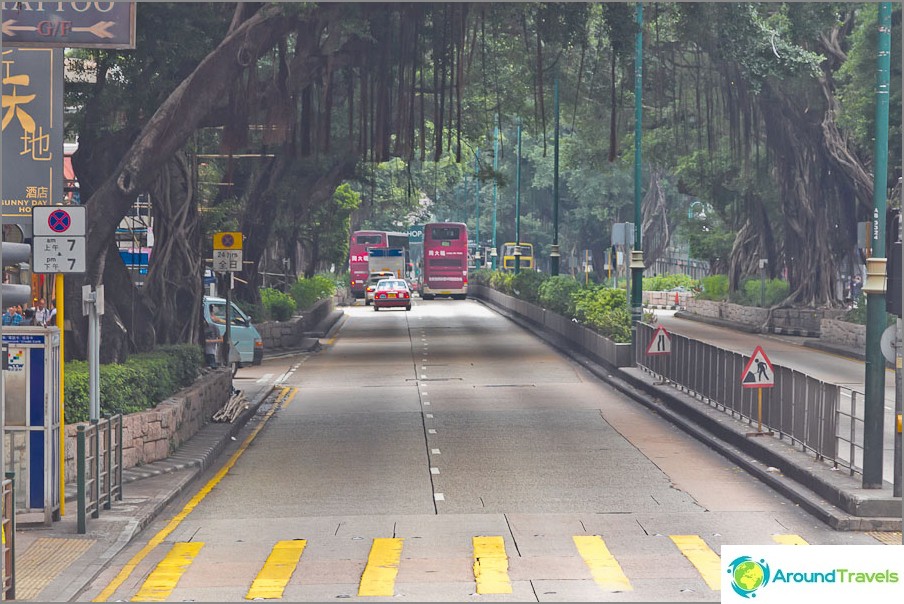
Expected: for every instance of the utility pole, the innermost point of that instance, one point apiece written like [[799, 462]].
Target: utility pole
[[874, 404], [518, 205], [477, 198], [554, 252]]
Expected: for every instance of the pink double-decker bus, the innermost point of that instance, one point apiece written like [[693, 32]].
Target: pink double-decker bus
[[358, 258], [445, 260]]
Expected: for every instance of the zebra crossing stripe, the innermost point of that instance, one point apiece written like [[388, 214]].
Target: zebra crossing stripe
[[491, 566], [163, 579], [705, 560], [603, 566], [378, 578], [271, 581], [789, 540]]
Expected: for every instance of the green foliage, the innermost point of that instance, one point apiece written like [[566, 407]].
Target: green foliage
[[138, 384], [501, 281], [664, 283], [715, 287], [749, 294], [526, 285], [481, 276], [278, 306], [308, 291], [606, 311], [557, 294]]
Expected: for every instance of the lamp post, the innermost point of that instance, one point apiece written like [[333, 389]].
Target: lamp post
[[637, 253], [517, 253], [495, 173], [477, 199], [554, 251]]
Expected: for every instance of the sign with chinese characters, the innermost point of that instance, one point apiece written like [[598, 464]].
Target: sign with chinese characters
[[32, 130], [227, 261], [69, 24], [59, 254]]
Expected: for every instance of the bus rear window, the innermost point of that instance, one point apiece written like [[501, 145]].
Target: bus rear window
[[366, 239], [445, 233]]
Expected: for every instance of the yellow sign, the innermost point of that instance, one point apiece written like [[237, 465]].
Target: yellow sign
[[227, 241]]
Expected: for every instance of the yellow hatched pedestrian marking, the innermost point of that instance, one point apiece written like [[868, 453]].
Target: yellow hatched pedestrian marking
[[162, 581], [706, 561], [604, 568], [491, 566], [274, 576], [789, 540], [378, 578]]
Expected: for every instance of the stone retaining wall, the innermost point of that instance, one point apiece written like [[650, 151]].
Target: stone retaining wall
[[791, 321], [154, 434], [844, 333], [288, 334]]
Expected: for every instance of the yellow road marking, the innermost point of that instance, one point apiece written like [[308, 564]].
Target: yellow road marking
[[789, 540], [491, 566], [271, 581], [603, 566], [160, 583], [378, 578], [699, 554], [285, 396]]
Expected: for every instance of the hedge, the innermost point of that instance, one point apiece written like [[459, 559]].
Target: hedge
[[278, 306], [308, 291], [138, 384]]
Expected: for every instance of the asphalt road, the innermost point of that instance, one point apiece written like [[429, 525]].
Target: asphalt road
[[415, 442]]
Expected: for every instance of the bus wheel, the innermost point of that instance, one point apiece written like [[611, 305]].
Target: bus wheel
[[428, 296], [408, 307], [376, 308], [459, 296]]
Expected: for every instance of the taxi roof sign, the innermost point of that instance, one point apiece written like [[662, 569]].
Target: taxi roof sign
[[231, 240], [758, 372]]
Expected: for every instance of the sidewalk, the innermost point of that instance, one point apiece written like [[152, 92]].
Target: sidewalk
[[54, 564]]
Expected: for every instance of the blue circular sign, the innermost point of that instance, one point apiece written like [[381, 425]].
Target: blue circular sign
[[59, 221]]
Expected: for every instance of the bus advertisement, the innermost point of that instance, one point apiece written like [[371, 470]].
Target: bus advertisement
[[445, 260], [358, 261]]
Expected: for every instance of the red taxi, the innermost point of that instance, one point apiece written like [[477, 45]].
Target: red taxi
[[390, 293]]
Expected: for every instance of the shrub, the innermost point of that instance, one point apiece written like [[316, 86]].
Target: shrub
[[278, 306], [776, 291], [715, 287], [308, 291], [502, 281], [481, 276], [556, 294], [138, 384], [606, 311], [526, 285], [664, 283]]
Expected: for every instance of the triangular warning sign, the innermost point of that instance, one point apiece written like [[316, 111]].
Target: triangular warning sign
[[758, 373], [661, 342]]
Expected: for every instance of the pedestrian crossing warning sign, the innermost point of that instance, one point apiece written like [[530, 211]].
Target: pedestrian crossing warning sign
[[758, 373], [661, 342]]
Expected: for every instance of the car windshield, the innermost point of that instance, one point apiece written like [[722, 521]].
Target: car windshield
[[391, 285]]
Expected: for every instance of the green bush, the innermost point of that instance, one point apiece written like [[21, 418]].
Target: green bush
[[278, 306], [556, 294], [308, 291], [606, 311], [526, 285], [776, 291], [664, 283], [138, 384], [481, 276], [715, 287], [502, 281]]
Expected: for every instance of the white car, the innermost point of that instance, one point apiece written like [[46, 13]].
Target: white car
[[372, 280]]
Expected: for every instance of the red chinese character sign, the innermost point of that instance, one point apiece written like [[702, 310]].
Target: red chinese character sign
[[758, 373]]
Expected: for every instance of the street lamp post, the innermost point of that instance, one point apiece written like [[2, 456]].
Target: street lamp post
[[518, 205], [554, 251], [637, 253], [477, 199], [495, 179]]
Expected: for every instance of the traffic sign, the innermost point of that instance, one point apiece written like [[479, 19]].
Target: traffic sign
[[758, 373], [59, 255], [227, 261], [55, 221], [227, 241], [661, 343]]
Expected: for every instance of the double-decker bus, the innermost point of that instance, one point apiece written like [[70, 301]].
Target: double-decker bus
[[445, 260], [358, 261], [508, 256]]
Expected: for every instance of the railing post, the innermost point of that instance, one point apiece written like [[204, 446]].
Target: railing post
[[108, 463], [80, 481], [10, 563], [95, 490], [119, 457]]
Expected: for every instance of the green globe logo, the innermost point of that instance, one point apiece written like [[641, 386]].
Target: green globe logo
[[748, 575]]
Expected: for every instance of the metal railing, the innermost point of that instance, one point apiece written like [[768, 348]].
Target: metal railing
[[8, 533], [822, 418], [99, 467]]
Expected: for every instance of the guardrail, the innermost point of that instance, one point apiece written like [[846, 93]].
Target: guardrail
[[8, 532], [99, 467], [815, 415]]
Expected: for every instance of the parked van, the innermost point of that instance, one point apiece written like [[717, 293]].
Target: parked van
[[246, 340]]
